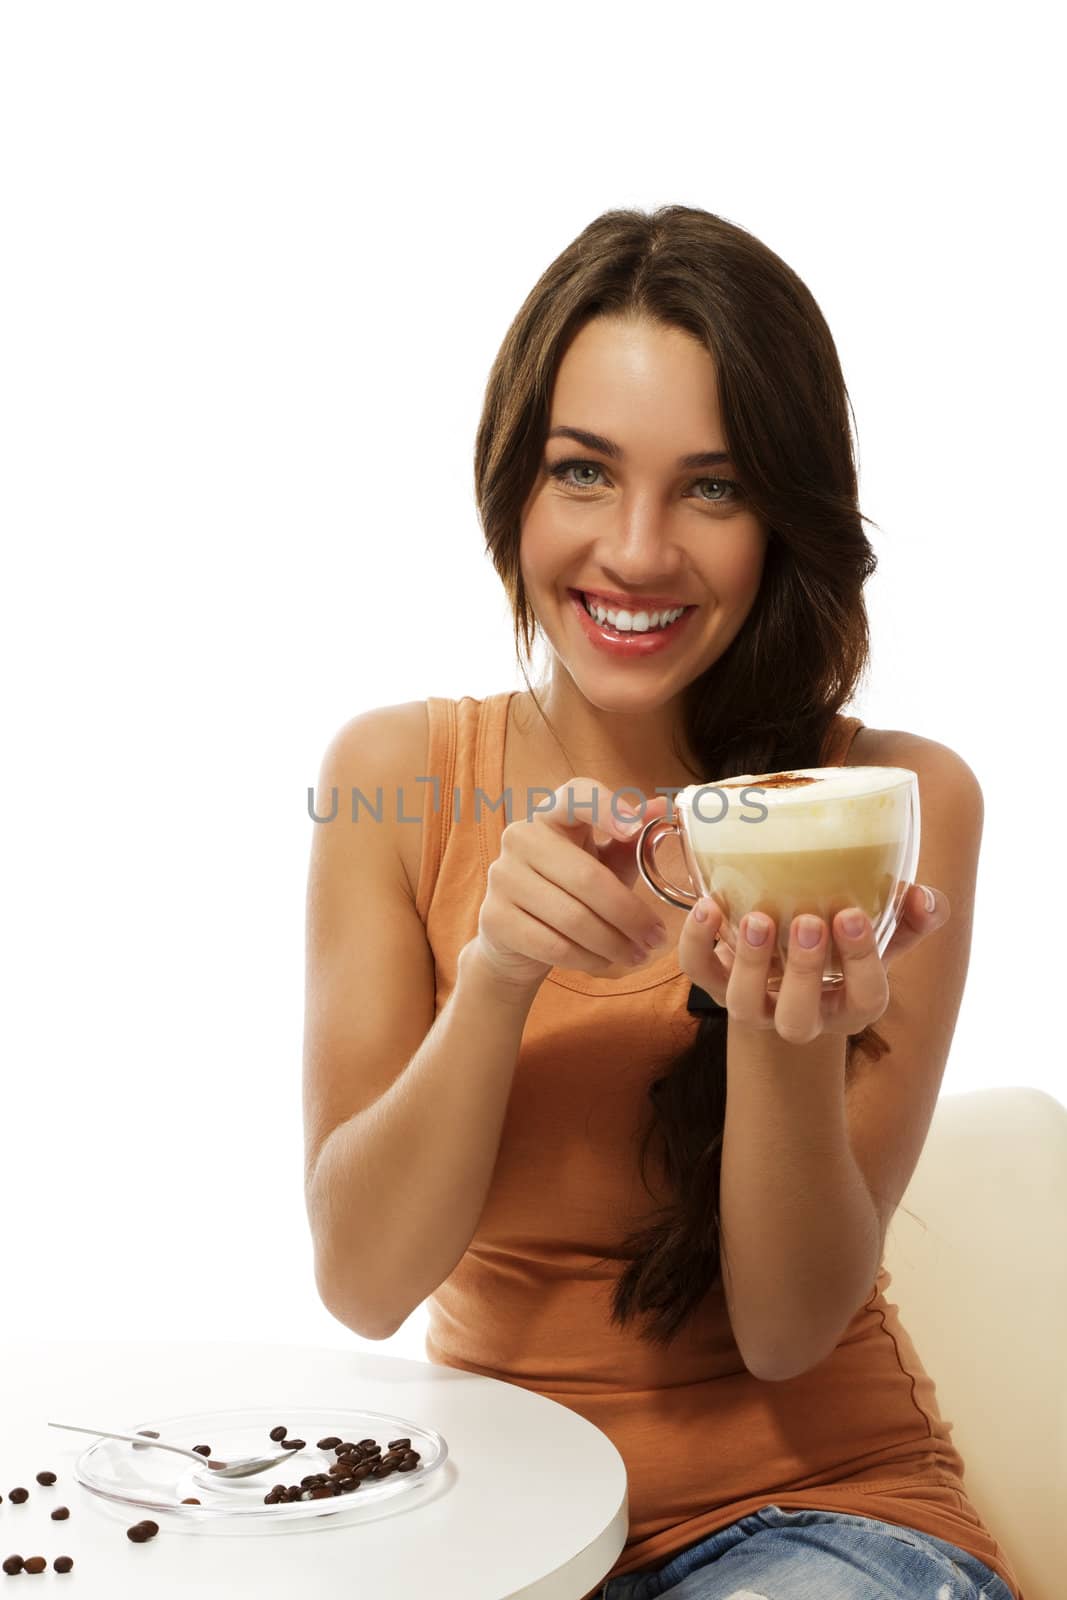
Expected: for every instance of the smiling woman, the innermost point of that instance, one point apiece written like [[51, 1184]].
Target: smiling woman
[[629, 1197]]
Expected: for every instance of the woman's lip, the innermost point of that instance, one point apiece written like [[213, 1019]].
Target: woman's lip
[[631, 644], [630, 603]]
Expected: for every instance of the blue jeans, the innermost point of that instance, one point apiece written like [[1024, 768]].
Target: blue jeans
[[814, 1555]]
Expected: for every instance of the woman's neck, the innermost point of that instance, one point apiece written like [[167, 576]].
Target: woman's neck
[[618, 748]]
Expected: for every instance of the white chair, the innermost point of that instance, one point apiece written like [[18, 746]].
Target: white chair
[[981, 1283]]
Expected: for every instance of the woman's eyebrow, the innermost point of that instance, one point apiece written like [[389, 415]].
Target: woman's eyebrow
[[606, 447]]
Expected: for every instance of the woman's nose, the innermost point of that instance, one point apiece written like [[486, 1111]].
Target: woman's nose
[[638, 552]]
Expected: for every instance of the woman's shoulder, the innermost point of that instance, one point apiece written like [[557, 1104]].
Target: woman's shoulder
[[937, 764], [382, 751]]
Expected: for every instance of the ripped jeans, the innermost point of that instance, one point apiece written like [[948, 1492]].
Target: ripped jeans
[[814, 1555]]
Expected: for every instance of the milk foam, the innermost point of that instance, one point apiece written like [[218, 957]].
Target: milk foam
[[810, 808]]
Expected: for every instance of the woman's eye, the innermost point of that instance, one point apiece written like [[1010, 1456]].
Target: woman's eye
[[561, 470]]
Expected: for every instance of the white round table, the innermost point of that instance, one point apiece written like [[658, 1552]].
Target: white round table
[[531, 1501]]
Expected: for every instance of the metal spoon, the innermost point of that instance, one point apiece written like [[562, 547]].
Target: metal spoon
[[243, 1468]]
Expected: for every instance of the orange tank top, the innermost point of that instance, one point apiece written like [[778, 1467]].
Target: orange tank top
[[704, 1442]]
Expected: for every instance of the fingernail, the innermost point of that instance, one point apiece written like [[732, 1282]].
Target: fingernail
[[628, 823], [808, 933], [657, 937], [852, 923], [756, 928], [930, 898], [700, 911]]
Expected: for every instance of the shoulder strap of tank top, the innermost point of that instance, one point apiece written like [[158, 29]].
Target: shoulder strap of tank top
[[437, 809], [838, 740]]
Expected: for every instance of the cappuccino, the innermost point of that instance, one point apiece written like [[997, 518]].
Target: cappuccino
[[818, 840]]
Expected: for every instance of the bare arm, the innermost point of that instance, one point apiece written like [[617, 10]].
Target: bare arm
[[402, 1114], [399, 1188]]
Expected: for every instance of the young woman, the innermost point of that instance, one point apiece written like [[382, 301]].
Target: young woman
[[622, 1174]]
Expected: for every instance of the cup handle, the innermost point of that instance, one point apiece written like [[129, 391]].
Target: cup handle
[[650, 836]]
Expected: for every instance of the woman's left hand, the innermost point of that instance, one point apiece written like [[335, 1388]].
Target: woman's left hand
[[802, 1010]]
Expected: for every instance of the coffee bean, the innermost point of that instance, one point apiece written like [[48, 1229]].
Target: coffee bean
[[19, 1496], [191, 1501], [293, 1444], [279, 1432], [202, 1449], [328, 1443], [46, 1478], [35, 1564], [13, 1564], [62, 1563], [368, 1441], [407, 1465], [141, 1531], [60, 1514], [153, 1527], [396, 1444]]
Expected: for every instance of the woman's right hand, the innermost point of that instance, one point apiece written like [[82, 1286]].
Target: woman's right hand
[[560, 892]]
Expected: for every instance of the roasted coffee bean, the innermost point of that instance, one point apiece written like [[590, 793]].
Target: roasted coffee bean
[[192, 1501], [293, 1444], [142, 1531], [34, 1564], [328, 1443], [202, 1449], [13, 1564], [46, 1478], [279, 1432], [293, 1492], [60, 1514], [146, 1433], [19, 1496], [396, 1444], [407, 1465], [62, 1563], [322, 1493]]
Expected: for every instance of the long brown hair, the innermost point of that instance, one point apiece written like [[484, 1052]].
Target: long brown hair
[[768, 702]]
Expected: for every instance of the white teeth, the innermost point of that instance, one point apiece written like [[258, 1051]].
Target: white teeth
[[628, 621]]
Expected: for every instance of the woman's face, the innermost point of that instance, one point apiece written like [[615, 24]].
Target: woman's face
[[634, 523]]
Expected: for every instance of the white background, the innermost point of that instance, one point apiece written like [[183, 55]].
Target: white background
[[257, 261]]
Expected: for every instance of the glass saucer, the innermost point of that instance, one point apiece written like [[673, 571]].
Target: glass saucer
[[125, 1474]]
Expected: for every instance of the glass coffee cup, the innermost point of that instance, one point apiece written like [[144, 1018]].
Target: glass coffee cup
[[818, 840]]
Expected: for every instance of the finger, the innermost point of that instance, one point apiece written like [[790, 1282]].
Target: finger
[[915, 921], [570, 915], [620, 855], [798, 1014], [746, 990], [866, 985], [552, 858], [699, 956], [582, 806]]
